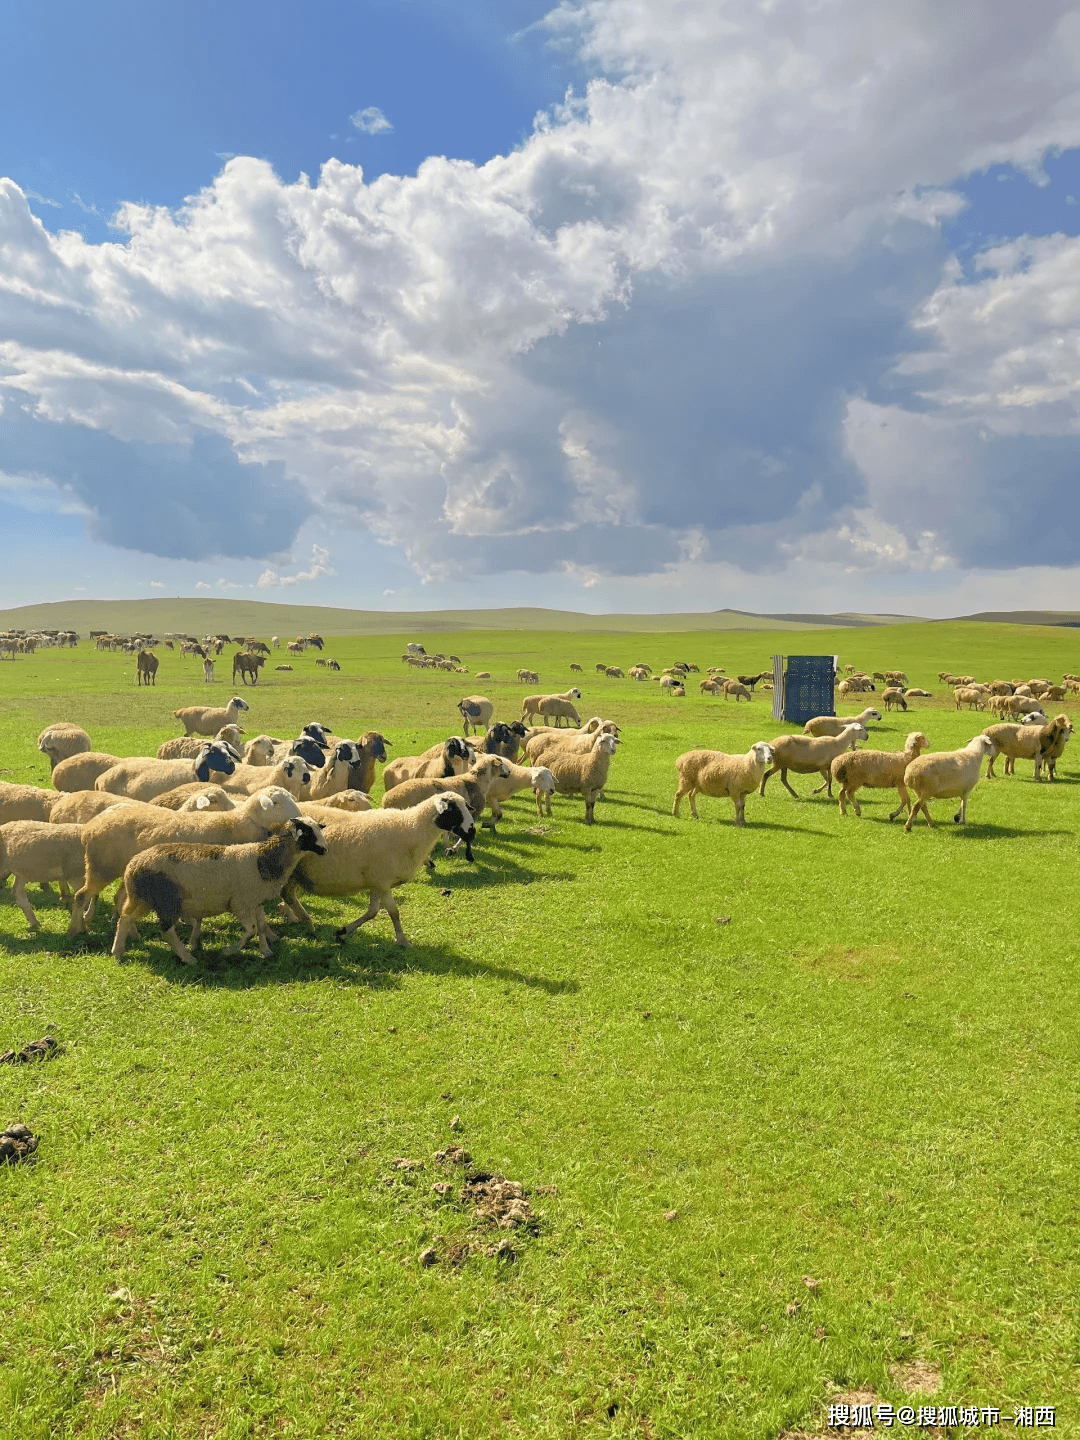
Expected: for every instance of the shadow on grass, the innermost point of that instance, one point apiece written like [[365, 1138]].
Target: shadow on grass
[[989, 831]]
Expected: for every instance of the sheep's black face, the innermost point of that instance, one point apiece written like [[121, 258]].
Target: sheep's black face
[[456, 749], [454, 817], [317, 733], [309, 837], [348, 753], [517, 728], [214, 757], [307, 749], [379, 749]]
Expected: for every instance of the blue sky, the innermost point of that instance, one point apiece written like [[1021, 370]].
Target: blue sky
[[767, 315]]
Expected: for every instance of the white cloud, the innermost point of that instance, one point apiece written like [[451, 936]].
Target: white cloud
[[157, 584], [42, 199], [641, 338], [371, 121], [319, 567], [203, 585]]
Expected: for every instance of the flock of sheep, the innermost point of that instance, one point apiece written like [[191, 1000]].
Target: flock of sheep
[[215, 824]]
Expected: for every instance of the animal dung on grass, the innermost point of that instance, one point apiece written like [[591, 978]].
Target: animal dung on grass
[[43, 1049], [17, 1143]]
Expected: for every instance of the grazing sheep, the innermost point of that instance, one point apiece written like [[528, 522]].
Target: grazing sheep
[[528, 677], [26, 802], [112, 838], [576, 669], [708, 687], [833, 724], [476, 712], [208, 719], [553, 707], [79, 772], [894, 697], [1043, 744], [451, 757], [810, 754], [376, 852], [613, 672], [966, 695], [946, 774], [878, 770], [142, 778], [61, 741], [736, 688], [712, 772], [38, 852], [582, 773], [184, 881]]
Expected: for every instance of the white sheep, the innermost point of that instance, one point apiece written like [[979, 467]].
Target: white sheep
[[581, 773], [142, 778], [375, 852], [112, 838], [79, 772], [877, 770], [184, 881], [1040, 743], [208, 719], [450, 757], [947, 774], [970, 696], [557, 707], [62, 740], [292, 774], [833, 724], [348, 800], [893, 697], [472, 786], [186, 747], [811, 754], [713, 772], [38, 852], [733, 687]]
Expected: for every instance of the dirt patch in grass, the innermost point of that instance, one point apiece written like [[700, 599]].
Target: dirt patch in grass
[[856, 1399], [916, 1377], [858, 964]]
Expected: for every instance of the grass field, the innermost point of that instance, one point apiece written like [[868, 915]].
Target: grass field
[[841, 1054]]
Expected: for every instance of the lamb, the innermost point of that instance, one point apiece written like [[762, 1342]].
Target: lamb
[[142, 778], [1042, 743], [878, 770], [808, 755], [833, 724], [183, 881], [581, 773], [537, 777], [36, 851], [208, 719], [947, 773], [476, 711], [186, 747], [452, 757], [736, 688], [111, 839], [61, 741], [375, 852], [712, 772], [79, 772]]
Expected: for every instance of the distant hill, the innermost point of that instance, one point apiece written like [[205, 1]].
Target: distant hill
[[1026, 617], [255, 617]]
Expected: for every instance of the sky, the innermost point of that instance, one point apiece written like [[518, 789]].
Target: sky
[[612, 305]]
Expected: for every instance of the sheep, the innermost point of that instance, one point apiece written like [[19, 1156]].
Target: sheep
[[340, 772], [537, 777], [475, 711], [482, 675], [528, 677], [207, 719], [736, 688], [79, 772], [576, 741], [708, 687], [505, 739], [79, 806], [809, 755], [917, 695], [893, 697], [576, 669], [186, 747], [36, 851], [193, 797], [184, 881], [472, 786], [1041, 743], [945, 774], [61, 741], [26, 802], [833, 724], [966, 695], [112, 838], [377, 851], [349, 800], [372, 747], [712, 772], [878, 770], [142, 778], [557, 707], [613, 672], [452, 757], [581, 773]]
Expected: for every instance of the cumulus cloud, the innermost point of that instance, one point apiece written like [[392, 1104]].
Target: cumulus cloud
[[157, 584], [705, 313], [319, 566], [371, 121]]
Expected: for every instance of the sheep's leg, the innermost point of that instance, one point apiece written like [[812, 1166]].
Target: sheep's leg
[[771, 771], [590, 802], [827, 782], [82, 909], [294, 909], [678, 797], [905, 800], [740, 810], [250, 922], [195, 936], [960, 818], [180, 950], [18, 892], [787, 787]]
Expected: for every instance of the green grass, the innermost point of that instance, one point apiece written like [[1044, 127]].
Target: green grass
[[868, 1076]]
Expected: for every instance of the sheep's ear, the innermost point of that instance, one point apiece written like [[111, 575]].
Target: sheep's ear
[[202, 802], [265, 801]]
